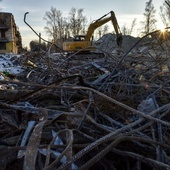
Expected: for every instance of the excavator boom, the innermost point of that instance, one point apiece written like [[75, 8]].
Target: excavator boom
[[82, 42], [101, 21]]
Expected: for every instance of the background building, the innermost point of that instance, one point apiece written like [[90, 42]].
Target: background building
[[10, 38]]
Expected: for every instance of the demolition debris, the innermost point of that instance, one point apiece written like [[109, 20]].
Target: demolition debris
[[86, 111]]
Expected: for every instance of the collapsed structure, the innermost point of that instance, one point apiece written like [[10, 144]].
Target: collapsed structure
[[10, 38], [87, 112]]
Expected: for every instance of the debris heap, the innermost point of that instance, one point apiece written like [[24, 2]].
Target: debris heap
[[87, 112]]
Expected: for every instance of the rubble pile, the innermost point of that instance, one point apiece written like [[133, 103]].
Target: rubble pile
[[87, 112], [107, 43]]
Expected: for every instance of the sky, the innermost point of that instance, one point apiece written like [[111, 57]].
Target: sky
[[125, 11]]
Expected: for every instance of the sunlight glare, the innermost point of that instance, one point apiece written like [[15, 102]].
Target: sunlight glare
[[162, 29]]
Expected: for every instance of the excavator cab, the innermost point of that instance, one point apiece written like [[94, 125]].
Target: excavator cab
[[79, 38], [78, 43]]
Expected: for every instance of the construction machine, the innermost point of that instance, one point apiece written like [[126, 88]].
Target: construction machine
[[84, 42]]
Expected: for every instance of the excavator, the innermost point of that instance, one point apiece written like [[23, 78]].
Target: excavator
[[84, 43]]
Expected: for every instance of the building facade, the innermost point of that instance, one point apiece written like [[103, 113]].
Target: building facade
[[10, 38]]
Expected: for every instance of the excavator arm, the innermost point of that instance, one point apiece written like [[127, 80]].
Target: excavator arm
[[101, 21]]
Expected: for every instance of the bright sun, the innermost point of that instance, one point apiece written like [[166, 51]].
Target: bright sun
[[162, 29]]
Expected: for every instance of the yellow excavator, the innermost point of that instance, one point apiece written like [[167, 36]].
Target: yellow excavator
[[84, 43]]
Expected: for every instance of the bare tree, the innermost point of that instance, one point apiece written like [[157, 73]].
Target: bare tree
[[133, 24], [124, 29], [67, 29], [105, 29], [102, 30], [149, 23], [76, 20], [55, 24], [128, 31], [165, 13], [36, 46]]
